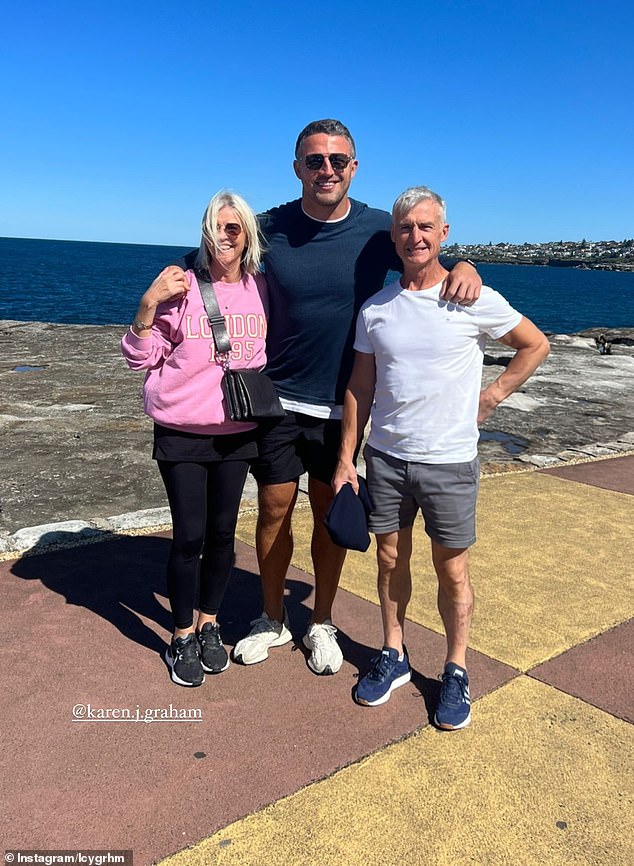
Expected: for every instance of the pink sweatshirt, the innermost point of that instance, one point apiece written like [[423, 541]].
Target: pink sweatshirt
[[182, 384]]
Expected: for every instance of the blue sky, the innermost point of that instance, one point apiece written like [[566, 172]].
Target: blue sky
[[121, 119]]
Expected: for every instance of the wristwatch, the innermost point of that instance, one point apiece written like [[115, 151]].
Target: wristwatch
[[140, 326]]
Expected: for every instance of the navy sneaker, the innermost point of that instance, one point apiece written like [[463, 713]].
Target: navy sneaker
[[454, 706], [184, 661], [213, 655], [388, 673]]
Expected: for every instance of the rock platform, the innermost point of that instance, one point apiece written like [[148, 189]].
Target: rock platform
[[76, 444]]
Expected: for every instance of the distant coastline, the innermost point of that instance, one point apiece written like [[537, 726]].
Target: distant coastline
[[79, 282], [584, 255]]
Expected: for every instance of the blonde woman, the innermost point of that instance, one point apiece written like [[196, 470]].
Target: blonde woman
[[202, 455]]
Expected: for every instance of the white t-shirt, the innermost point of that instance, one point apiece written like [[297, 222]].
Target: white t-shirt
[[428, 356]]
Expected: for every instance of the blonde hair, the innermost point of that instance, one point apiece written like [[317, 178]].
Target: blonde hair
[[254, 248]]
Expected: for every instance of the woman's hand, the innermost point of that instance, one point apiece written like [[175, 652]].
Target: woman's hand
[[172, 282]]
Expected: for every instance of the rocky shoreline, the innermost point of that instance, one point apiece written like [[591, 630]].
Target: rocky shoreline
[[76, 443], [587, 255]]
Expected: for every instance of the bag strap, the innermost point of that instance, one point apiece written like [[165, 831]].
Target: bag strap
[[216, 319]]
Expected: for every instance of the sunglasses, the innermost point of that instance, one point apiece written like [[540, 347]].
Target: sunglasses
[[338, 161], [232, 230]]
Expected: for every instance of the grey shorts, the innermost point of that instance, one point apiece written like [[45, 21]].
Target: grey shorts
[[446, 493]]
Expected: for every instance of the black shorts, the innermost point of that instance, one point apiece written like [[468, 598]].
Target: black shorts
[[297, 444], [177, 446]]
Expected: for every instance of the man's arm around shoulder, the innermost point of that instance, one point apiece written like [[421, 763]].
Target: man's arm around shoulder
[[186, 262], [532, 348], [463, 283]]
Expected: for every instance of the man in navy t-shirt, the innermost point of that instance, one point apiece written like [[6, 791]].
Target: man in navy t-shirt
[[326, 254]]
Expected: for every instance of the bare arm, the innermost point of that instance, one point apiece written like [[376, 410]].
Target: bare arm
[[356, 411], [462, 285], [532, 348]]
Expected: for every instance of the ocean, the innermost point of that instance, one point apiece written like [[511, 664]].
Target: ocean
[[81, 282]]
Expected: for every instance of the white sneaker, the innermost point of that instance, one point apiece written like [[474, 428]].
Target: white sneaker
[[265, 633], [325, 655]]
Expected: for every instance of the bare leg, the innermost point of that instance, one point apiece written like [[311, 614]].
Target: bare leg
[[328, 558], [274, 542], [204, 618], [455, 598], [394, 550]]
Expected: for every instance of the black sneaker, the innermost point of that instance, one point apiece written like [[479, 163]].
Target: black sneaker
[[184, 661], [213, 655]]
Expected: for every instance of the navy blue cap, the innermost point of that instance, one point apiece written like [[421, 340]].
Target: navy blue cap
[[347, 518]]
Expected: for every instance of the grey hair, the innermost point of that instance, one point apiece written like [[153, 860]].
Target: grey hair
[[327, 127], [413, 196], [254, 249]]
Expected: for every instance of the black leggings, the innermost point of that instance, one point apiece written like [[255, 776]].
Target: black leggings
[[204, 499]]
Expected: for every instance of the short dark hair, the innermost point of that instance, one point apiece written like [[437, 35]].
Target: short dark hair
[[327, 127]]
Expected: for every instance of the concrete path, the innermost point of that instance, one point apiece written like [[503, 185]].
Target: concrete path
[[272, 765]]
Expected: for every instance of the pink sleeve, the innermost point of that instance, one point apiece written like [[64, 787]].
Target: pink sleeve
[[145, 353]]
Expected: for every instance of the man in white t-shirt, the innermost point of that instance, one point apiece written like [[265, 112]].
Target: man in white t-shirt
[[418, 368]]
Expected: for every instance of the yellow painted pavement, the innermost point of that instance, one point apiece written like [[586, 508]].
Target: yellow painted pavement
[[539, 779], [553, 566]]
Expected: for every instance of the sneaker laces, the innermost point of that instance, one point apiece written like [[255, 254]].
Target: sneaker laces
[[186, 651], [210, 636], [453, 690], [323, 634], [382, 667]]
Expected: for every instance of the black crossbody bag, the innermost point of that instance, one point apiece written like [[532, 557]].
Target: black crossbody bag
[[249, 394]]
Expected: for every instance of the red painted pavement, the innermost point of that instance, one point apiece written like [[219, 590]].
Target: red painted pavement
[[85, 628]]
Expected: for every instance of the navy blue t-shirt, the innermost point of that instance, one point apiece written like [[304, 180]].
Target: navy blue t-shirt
[[319, 274]]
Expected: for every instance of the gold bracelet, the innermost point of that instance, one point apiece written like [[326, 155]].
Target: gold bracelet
[[141, 326]]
